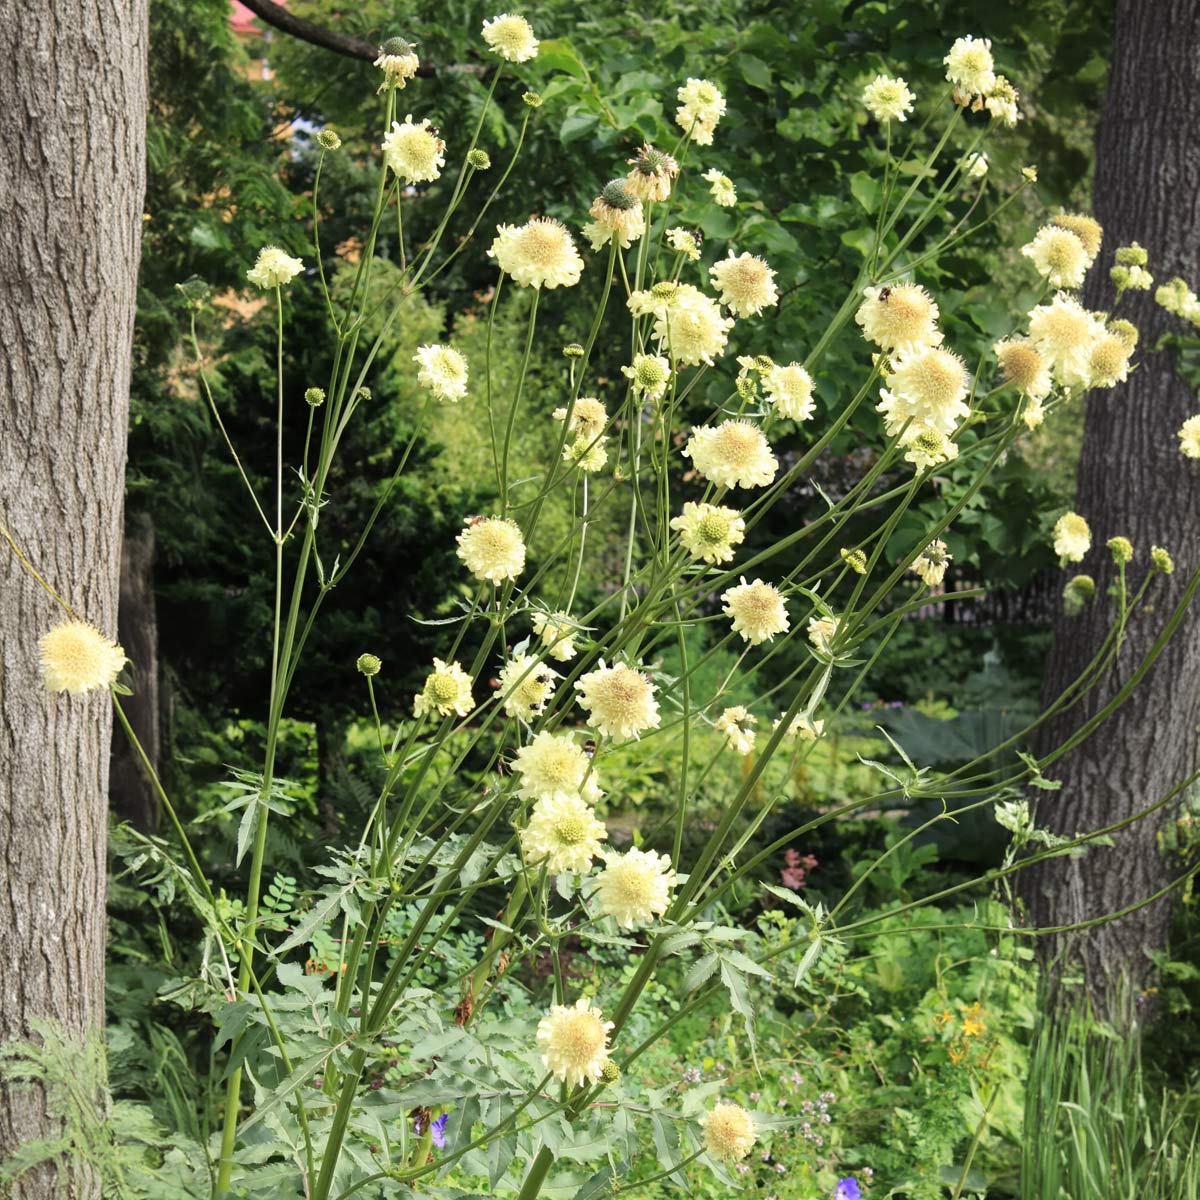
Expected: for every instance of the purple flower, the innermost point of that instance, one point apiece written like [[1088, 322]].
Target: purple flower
[[439, 1131], [848, 1189]]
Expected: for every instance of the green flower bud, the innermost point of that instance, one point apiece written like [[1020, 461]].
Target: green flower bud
[[573, 350], [533, 99], [1122, 549], [368, 664], [1079, 590], [479, 160], [315, 396], [856, 560], [1162, 560], [610, 1072], [328, 139]]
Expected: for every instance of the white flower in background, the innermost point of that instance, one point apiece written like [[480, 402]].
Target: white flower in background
[[789, 390], [1087, 229], [273, 268], [721, 186], [928, 386], [802, 728], [648, 375], [651, 174], [729, 1131], [930, 565], [77, 658], [822, 633], [690, 326], [737, 724], [588, 417], [511, 37], [492, 548], [701, 106], [1189, 437], [1059, 256], [969, 65], [1021, 363], [442, 371], [557, 632], [1064, 332], [977, 165], [398, 62], [1001, 102]]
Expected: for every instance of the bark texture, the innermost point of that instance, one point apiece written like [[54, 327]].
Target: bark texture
[[73, 94], [1133, 481], [131, 795]]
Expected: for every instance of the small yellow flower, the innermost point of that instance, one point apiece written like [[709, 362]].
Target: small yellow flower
[[1059, 256], [573, 1041], [930, 565], [648, 375], [398, 62], [701, 106], [447, 690], [721, 187], [789, 390], [635, 887], [78, 658], [511, 37], [492, 548], [969, 65], [685, 242], [564, 834], [746, 284], [926, 385], [619, 701], [1072, 537], [737, 724], [757, 609], [557, 632], [526, 686], [1087, 229], [709, 532], [729, 1131], [1021, 363], [732, 454], [1064, 332], [822, 633], [273, 268], [538, 254], [887, 99], [1189, 437], [588, 417]]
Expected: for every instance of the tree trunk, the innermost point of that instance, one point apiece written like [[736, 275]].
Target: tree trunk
[[131, 795], [73, 94], [1133, 481]]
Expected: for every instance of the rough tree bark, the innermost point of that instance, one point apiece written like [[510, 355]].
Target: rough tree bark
[[1133, 481], [73, 94]]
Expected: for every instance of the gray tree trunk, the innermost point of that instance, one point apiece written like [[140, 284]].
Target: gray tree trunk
[[1133, 481], [73, 97]]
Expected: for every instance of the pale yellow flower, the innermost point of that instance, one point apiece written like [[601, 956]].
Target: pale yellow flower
[[721, 186], [414, 151], [691, 328], [619, 701], [447, 690], [273, 268], [652, 173], [823, 632], [635, 887], [76, 657], [757, 609], [398, 62], [729, 1131], [538, 254], [789, 390], [1189, 437], [1087, 229], [492, 548], [554, 767], [732, 454], [564, 834], [511, 37], [616, 212], [526, 686], [1108, 361], [887, 99], [930, 565], [1022, 364], [1072, 537], [709, 532], [1064, 332], [588, 417], [801, 728], [683, 241], [573, 1041], [969, 65], [443, 371], [736, 723], [927, 446], [649, 375], [899, 317], [557, 632], [927, 385], [1059, 256], [1033, 414], [701, 106], [746, 284], [1001, 102]]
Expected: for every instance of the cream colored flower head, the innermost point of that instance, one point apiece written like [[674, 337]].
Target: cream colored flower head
[[511, 37], [746, 284], [492, 548], [737, 724], [927, 446], [619, 701], [564, 834], [78, 658], [398, 62], [648, 375], [899, 317], [789, 390], [447, 690], [557, 632], [573, 1040], [1022, 364], [526, 686], [273, 268], [1059, 256], [635, 887], [684, 241], [721, 187], [729, 1131], [414, 151], [969, 65], [442, 372], [1072, 537], [588, 454], [1087, 229], [1033, 413], [709, 532], [887, 99], [930, 565], [588, 417], [757, 609], [701, 106], [1189, 437], [732, 454], [928, 386], [977, 165], [801, 728], [1064, 332], [1002, 102], [691, 328], [651, 174], [538, 254], [822, 633], [1108, 361], [554, 767]]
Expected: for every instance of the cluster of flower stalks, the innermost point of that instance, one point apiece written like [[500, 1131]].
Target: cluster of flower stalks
[[352, 1082]]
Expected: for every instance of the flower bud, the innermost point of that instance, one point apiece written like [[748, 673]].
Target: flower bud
[[315, 396], [368, 665], [328, 139], [479, 160], [1161, 560], [573, 350], [1079, 590], [533, 99], [1122, 549], [856, 560], [195, 292], [610, 1072]]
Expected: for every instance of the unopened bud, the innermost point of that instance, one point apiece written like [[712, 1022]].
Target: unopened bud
[[368, 664]]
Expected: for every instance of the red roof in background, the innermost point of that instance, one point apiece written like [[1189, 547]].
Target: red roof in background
[[244, 21]]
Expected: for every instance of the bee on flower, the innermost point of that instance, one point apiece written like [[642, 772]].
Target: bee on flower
[[737, 724], [526, 686], [555, 767], [899, 317], [413, 151], [685, 242]]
